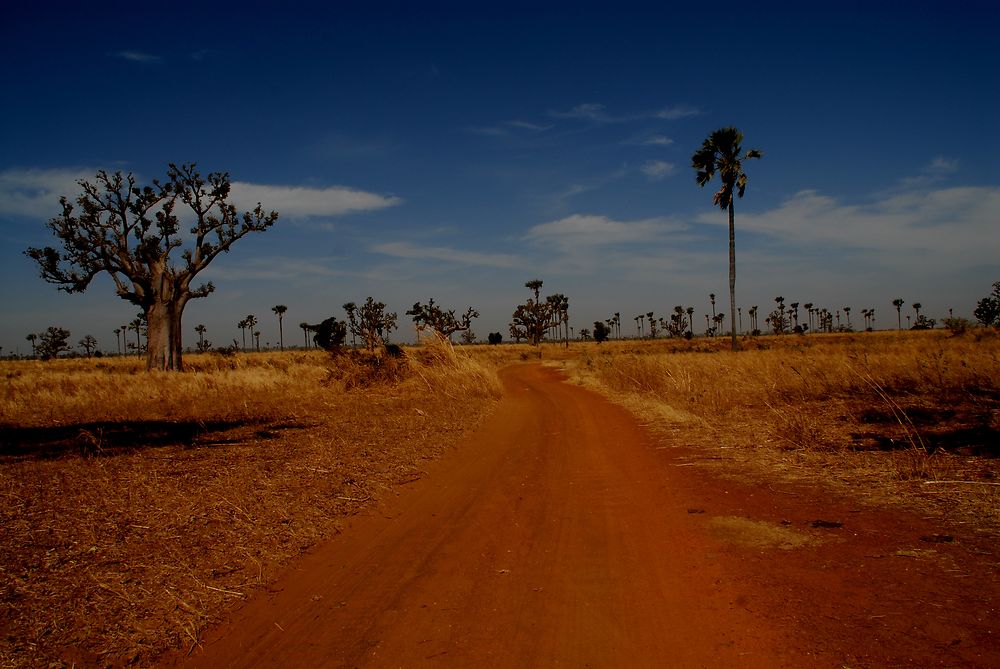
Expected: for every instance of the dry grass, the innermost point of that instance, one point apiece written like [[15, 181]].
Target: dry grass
[[135, 508], [883, 415]]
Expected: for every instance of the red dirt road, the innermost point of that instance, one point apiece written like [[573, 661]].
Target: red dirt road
[[561, 534]]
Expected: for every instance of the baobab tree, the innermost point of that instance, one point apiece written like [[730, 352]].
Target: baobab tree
[[722, 153], [88, 344], [130, 231], [898, 303], [442, 322], [535, 316], [279, 311]]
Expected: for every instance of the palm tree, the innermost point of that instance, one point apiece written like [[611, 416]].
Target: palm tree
[[136, 325], [201, 330], [898, 303], [280, 311], [32, 338], [242, 325], [847, 312], [305, 332], [118, 339], [808, 306], [711, 298], [652, 324], [618, 324], [739, 313], [722, 152], [251, 322], [917, 307], [795, 314]]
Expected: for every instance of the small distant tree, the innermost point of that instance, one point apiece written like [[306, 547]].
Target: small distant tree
[[203, 344], [443, 322], [88, 344], [280, 310], [495, 338], [987, 310], [250, 323], [137, 325], [130, 231], [305, 332], [898, 303], [54, 340], [533, 318], [372, 323], [32, 338], [468, 337], [330, 335], [601, 332], [678, 324], [584, 334]]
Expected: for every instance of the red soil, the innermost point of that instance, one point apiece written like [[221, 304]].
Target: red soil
[[562, 534]]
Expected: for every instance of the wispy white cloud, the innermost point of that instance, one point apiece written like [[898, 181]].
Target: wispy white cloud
[[304, 202], [35, 193], [597, 113], [651, 140], [933, 172], [952, 227], [677, 112], [657, 170], [590, 111], [586, 231], [510, 128], [138, 57], [446, 254]]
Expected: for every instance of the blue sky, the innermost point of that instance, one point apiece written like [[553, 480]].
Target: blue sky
[[458, 150]]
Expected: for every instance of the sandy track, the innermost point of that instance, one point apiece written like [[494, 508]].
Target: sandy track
[[558, 535]]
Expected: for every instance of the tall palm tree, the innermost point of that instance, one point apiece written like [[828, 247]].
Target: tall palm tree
[[201, 330], [118, 339], [652, 324], [847, 312], [711, 298], [242, 325], [917, 307], [32, 338], [618, 324], [690, 313], [280, 310], [722, 152], [898, 303], [808, 306]]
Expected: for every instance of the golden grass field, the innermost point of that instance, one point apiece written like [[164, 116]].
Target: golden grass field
[[136, 507]]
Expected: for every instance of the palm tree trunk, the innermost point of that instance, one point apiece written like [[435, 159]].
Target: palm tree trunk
[[732, 274]]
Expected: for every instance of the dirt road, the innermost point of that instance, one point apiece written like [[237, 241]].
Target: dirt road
[[560, 534]]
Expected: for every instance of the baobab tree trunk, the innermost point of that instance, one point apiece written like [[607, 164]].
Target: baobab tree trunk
[[732, 273], [164, 338]]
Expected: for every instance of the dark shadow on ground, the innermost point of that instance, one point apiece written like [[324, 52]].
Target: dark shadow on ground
[[112, 438]]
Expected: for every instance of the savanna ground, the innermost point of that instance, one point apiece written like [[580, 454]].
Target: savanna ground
[[138, 508]]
